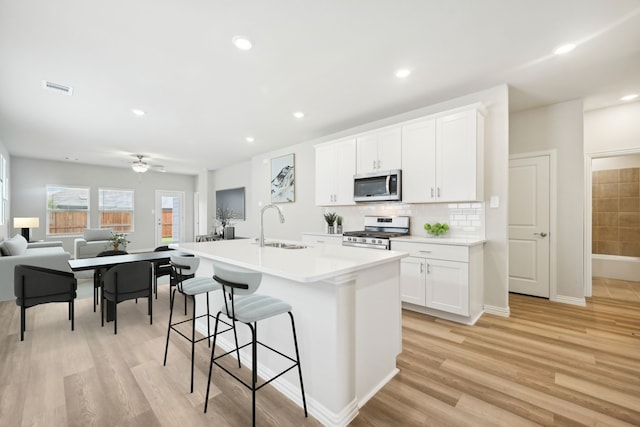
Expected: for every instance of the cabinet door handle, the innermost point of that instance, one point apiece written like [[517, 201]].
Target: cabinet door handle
[[432, 192], [421, 268], [438, 191], [543, 234], [428, 268], [425, 252], [374, 164], [319, 241], [378, 164]]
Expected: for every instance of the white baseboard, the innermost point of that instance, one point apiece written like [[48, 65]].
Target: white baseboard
[[569, 300], [498, 311]]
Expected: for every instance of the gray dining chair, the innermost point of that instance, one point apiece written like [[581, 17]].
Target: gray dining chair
[[124, 282], [38, 285]]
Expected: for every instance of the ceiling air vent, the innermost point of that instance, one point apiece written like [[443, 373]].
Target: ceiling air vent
[[57, 87]]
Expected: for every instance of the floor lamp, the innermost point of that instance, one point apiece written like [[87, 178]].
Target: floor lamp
[[26, 224]]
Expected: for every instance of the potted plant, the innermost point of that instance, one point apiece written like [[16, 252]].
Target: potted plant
[[330, 218], [118, 239], [339, 224]]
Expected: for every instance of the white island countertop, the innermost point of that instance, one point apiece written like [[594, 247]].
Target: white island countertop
[[311, 264]]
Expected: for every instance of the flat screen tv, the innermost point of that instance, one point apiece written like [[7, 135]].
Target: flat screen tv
[[233, 199]]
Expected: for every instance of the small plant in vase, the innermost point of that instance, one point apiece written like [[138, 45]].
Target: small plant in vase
[[118, 239], [330, 218], [339, 224]]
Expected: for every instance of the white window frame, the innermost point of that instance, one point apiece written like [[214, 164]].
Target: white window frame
[[49, 210], [101, 210]]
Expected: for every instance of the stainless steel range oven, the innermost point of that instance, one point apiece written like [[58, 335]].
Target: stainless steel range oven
[[377, 233]]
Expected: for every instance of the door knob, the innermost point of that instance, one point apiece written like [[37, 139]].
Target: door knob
[[543, 234]]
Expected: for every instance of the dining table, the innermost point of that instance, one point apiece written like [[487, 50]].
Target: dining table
[[83, 264]]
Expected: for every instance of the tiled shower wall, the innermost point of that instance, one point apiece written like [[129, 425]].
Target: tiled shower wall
[[616, 212]]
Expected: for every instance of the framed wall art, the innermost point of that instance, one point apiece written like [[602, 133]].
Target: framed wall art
[[283, 179]]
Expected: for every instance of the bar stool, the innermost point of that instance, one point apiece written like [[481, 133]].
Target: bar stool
[[243, 305], [185, 267]]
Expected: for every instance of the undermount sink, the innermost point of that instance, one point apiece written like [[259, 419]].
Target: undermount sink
[[282, 245]]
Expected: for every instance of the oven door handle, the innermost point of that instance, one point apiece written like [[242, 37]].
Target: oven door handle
[[387, 183]]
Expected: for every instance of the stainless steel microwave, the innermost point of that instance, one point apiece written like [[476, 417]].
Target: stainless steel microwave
[[381, 186]]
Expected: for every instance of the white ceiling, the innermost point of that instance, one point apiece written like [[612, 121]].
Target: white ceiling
[[332, 59]]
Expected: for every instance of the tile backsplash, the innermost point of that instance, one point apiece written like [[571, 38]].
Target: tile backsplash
[[466, 220]]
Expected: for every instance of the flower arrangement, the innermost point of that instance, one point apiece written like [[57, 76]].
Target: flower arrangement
[[118, 239], [224, 215]]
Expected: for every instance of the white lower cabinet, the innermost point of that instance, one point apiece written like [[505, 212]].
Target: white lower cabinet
[[447, 286], [442, 280], [412, 280]]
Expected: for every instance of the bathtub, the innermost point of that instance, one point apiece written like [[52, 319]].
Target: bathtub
[[615, 267]]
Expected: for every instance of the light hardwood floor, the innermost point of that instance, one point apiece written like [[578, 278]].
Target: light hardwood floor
[[548, 364]]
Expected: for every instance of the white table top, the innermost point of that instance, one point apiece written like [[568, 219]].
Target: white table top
[[311, 264]]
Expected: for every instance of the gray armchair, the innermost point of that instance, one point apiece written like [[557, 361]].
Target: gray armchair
[[38, 285]]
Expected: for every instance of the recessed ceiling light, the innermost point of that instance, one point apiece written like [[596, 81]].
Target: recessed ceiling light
[[565, 48], [298, 114], [249, 139], [402, 73], [242, 42], [138, 112], [629, 97]]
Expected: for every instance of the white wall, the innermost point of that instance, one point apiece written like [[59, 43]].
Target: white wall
[[5, 229], [616, 162], [234, 176], [560, 127], [303, 215], [612, 129], [29, 178]]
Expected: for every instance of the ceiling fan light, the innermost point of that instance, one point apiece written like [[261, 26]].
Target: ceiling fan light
[[139, 166]]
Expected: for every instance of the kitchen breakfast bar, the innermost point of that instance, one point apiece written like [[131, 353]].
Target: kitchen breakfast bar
[[346, 302]]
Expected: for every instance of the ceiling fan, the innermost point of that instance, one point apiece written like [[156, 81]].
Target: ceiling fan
[[140, 166]]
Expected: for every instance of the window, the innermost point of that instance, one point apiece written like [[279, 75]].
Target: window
[[116, 209], [67, 209], [4, 190]]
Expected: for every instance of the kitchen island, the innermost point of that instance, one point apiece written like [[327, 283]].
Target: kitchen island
[[346, 302]]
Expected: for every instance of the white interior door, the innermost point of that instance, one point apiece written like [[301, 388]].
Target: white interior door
[[529, 226], [169, 217]]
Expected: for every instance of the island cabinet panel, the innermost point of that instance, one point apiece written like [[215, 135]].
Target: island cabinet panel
[[379, 150], [442, 280], [443, 157], [335, 167]]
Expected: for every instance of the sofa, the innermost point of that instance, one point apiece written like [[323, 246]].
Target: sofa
[[94, 241], [17, 250]]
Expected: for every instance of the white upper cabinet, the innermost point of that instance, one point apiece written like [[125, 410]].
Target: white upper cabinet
[[419, 162], [379, 150], [335, 167], [443, 158]]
